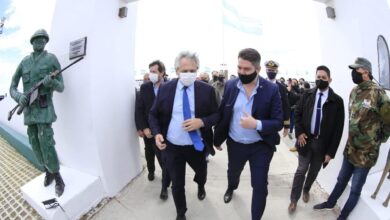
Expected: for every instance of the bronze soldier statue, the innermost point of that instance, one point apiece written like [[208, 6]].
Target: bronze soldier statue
[[39, 115]]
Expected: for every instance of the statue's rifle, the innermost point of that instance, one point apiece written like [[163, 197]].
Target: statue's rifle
[[32, 94]]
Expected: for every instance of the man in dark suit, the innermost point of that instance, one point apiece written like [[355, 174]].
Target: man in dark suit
[[144, 102], [271, 67], [181, 120], [319, 122], [251, 116]]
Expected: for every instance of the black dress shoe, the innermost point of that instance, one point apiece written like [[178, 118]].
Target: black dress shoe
[[151, 176], [305, 197], [49, 177], [181, 217], [164, 194], [228, 196], [201, 192], [60, 185]]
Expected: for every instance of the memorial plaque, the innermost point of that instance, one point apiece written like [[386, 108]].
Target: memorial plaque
[[78, 48]]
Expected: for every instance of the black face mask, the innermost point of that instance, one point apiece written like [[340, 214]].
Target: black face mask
[[221, 78], [215, 78], [271, 75], [321, 84], [246, 79], [357, 78]]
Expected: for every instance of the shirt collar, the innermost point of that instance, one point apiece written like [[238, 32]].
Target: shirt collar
[[180, 85], [324, 93], [241, 86]]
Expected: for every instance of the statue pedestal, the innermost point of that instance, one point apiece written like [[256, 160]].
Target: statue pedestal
[[82, 191], [96, 139]]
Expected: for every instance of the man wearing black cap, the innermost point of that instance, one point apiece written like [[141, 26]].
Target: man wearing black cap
[[369, 126]]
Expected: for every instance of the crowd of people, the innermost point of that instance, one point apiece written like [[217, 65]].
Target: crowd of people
[[185, 119], [188, 118]]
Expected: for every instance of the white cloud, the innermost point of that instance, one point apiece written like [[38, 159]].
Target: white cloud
[[26, 17]]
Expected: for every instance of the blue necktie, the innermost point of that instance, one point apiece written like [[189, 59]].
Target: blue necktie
[[196, 140], [318, 117]]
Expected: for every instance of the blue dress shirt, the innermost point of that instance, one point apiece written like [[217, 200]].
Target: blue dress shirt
[[236, 131], [176, 133]]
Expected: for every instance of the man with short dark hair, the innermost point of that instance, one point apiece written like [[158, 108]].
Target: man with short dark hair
[[251, 116], [144, 102], [319, 122], [369, 126]]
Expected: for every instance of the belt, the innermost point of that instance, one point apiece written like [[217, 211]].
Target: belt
[[314, 137]]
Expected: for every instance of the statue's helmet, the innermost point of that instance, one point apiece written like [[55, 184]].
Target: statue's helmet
[[39, 33]]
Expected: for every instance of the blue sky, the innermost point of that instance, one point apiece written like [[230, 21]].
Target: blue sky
[[21, 22], [160, 33]]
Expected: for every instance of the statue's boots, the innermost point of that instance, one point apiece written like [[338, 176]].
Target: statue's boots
[[60, 185], [49, 177]]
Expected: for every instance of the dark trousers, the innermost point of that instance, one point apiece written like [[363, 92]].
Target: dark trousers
[[311, 161], [292, 120], [176, 158], [358, 180], [259, 156], [151, 150]]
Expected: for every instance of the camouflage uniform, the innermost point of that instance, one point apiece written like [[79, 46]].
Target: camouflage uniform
[[40, 115], [369, 124]]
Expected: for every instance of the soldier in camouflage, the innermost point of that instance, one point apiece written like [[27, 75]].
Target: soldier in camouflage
[[369, 126], [40, 115]]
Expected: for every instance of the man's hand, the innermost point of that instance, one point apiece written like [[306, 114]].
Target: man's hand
[[140, 133], [302, 139], [218, 148], [248, 122], [192, 124], [160, 142], [147, 133], [23, 100], [285, 132], [327, 159], [47, 81]]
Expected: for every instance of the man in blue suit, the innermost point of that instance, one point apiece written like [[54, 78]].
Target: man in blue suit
[[251, 116], [181, 121]]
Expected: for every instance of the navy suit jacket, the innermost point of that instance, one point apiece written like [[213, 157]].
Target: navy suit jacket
[[206, 108], [267, 107]]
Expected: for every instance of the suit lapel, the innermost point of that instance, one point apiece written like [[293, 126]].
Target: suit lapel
[[312, 101], [197, 95], [171, 96], [234, 93], [258, 97]]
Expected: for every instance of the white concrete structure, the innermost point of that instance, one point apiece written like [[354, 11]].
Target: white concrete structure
[[95, 134], [354, 33]]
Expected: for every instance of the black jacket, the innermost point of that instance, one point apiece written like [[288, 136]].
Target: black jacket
[[332, 122], [285, 104], [144, 101]]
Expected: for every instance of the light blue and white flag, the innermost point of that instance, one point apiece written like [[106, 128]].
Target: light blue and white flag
[[233, 17]]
